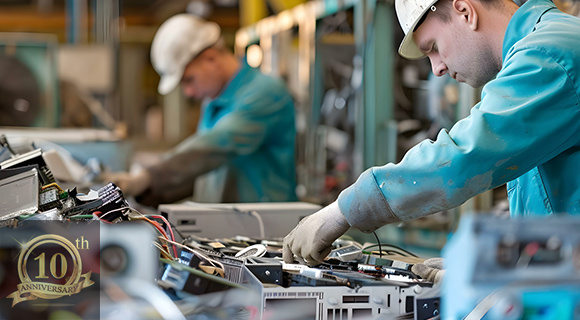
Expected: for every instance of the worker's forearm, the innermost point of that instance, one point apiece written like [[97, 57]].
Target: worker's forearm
[[173, 178], [364, 206]]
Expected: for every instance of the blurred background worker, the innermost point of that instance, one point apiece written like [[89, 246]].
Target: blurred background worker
[[243, 150], [529, 56]]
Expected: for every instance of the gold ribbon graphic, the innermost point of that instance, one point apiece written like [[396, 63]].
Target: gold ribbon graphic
[[26, 291], [31, 290]]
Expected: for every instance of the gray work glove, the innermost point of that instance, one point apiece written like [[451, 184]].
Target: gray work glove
[[312, 238], [430, 270]]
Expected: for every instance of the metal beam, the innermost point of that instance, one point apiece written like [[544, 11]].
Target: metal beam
[[380, 129], [281, 5], [252, 11]]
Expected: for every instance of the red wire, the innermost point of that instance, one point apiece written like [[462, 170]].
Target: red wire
[[167, 223], [170, 230], [97, 214], [155, 224]]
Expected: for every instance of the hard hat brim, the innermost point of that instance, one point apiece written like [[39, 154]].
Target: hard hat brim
[[169, 82], [408, 48]]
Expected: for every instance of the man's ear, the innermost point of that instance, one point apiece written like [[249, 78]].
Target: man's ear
[[467, 11]]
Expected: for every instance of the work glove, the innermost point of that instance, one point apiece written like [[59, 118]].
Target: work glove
[[131, 183], [430, 270], [312, 238]]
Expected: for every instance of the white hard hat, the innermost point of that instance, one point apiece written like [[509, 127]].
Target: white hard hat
[[409, 13], [178, 40]]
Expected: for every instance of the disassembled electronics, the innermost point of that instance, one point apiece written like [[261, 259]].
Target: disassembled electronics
[[28, 190], [19, 192], [348, 253]]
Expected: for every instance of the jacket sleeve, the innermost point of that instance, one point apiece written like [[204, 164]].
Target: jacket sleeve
[[243, 130], [529, 114], [240, 132]]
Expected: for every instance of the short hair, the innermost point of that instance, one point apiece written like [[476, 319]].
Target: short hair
[[443, 8]]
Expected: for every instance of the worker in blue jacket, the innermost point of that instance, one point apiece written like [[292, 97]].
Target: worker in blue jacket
[[525, 131], [243, 150]]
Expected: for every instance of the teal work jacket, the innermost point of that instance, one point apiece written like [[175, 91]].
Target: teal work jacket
[[244, 141], [525, 132]]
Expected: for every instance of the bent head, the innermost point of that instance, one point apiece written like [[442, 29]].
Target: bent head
[[182, 43], [460, 37], [207, 74]]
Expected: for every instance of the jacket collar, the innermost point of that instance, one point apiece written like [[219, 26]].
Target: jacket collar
[[230, 89], [523, 22]]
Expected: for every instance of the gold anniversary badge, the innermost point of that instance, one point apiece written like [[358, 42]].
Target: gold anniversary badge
[[41, 287]]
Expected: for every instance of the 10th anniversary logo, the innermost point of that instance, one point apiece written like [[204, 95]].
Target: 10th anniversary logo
[[43, 285]]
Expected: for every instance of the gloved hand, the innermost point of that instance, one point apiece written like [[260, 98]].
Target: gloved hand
[[430, 270], [131, 183], [312, 238]]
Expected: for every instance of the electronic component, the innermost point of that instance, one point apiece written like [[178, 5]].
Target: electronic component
[[348, 253], [325, 299], [19, 192], [256, 250], [112, 199], [32, 158], [49, 199], [427, 308], [108, 204], [332, 290], [267, 270], [192, 273], [181, 277], [229, 220]]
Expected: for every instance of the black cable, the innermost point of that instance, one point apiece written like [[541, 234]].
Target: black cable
[[403, 250], [400, 271], [5, 144], [379, 243], [392, 246]]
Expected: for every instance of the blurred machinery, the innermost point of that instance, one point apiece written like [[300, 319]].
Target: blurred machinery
[[513, 269], [29, 82]]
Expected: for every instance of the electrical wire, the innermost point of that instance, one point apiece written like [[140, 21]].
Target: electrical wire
[[163, 251], [82, 216], [260, 222], [158, 227], [166, 223], [114, 210], [170, 230], [176, 230], [199, 254], [141, 217], [5, 144], [379, 243], [96, 215], [401, 250], [391, 252], [54, 184]]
